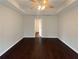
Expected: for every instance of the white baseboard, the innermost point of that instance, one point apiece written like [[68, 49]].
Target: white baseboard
[[50, 36], [28, 36], [68, 45], [10, 46], [42, 36]]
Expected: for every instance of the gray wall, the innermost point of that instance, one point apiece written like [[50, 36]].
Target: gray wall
[[49, 26], [29, 26], [68, 26], [11, 28]]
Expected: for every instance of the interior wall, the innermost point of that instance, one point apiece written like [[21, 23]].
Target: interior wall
[[11, 28], [49, 26], [68, 29], [29, 26]]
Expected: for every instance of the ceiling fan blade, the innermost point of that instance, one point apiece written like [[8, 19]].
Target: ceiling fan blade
[[51, 6], [33, 0]]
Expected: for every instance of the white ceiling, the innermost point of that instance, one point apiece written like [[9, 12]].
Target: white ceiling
[[24, 6]]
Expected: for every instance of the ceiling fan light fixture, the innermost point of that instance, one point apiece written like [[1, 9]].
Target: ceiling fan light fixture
[[41, 7], [45, 2], [41, 4]]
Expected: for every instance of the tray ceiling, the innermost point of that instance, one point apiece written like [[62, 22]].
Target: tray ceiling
[[25, 6]]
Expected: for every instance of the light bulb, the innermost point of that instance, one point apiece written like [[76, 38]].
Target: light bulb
[[45, 2], [39, 7], [43, 7]]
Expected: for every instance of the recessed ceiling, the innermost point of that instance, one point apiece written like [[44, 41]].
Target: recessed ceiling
[[25, 6]]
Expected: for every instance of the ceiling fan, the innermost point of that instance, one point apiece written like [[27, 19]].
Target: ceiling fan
[[41, 4]]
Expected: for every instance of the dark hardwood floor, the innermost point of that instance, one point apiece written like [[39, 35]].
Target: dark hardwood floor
[[50, 48]]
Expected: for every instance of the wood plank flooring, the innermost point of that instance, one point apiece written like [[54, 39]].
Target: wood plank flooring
[[51, 48]]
